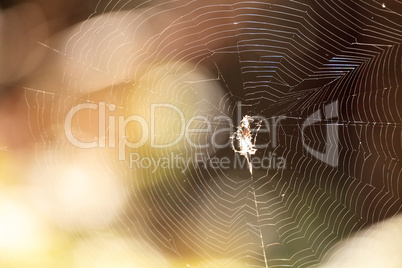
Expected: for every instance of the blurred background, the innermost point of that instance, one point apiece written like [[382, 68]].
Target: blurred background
[[63, 206]]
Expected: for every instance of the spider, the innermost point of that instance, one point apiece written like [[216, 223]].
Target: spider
[[245, 139]]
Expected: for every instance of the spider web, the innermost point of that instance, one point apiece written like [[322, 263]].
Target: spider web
[[271, 58]]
